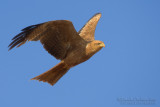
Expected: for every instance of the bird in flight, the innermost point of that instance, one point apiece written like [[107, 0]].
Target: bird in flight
[[62, 41]]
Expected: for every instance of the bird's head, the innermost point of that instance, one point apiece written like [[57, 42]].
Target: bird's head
[[94, 46]]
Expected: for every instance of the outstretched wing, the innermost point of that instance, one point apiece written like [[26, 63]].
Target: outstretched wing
[[87, 31], [56, 36]]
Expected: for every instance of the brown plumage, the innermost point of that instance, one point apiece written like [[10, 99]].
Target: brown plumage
[[62, 41]]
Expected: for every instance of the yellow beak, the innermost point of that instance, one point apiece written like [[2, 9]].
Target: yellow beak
[[102, 45]]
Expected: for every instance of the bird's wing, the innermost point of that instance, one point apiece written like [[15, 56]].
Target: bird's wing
[[56, 36], [87, 31]]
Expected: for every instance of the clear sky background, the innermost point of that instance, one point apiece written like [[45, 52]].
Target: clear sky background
[[127, 68]]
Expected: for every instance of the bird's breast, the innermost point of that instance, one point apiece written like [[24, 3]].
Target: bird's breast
[[76, 57]]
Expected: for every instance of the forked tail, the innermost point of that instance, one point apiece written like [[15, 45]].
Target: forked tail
[[54, 74]]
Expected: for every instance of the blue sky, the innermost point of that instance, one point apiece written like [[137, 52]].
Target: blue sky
[[127, 68]]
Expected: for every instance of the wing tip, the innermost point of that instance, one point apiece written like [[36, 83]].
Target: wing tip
[[21, 38], [98, 15]]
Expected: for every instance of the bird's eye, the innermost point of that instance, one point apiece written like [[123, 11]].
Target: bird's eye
[[98, 43]]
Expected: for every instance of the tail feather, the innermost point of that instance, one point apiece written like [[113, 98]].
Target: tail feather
[[54, 74]]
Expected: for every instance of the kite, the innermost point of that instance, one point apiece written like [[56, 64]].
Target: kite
[[62, 41]]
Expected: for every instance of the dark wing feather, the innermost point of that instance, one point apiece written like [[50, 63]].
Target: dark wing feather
[[21, 38], [55, 36], [31, 27], [88, 30]]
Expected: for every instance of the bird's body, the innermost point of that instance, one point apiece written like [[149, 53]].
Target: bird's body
[[62, 41]]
